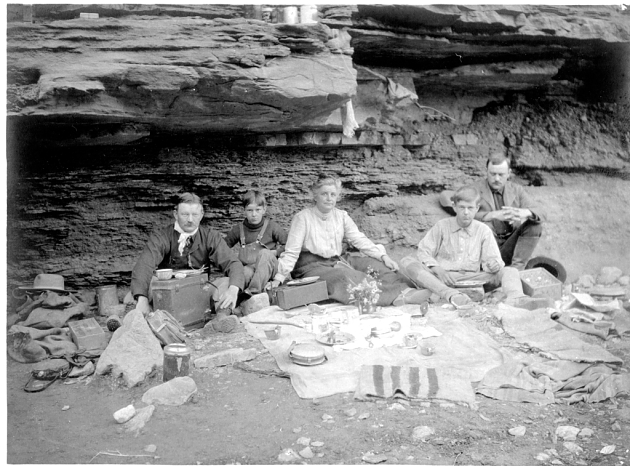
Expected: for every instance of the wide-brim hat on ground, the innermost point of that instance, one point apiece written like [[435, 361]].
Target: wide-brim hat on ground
[[552, 266], [47, 282]]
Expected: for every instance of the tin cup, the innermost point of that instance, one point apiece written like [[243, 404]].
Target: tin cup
[[427, 350], [410, 340], [273, 334]]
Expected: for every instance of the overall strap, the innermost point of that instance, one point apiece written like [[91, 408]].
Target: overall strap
[[242, 235], [262, 230]]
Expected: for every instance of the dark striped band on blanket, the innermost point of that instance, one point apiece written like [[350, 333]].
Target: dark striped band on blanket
[[413, 382]]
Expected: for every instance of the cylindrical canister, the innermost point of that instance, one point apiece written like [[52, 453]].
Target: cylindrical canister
[[308, 14], [176, 361], [290, 15], [266, 14], [107, 296]]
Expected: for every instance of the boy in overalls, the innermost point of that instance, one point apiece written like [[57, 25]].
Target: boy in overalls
[[258, 242]]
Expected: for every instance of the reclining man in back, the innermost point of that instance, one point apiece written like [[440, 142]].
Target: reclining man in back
[[187, 245], [463, 249]]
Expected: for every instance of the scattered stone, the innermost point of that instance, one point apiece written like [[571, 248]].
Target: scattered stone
[[404, 402], [175, 392], [254, 304], [586, 433], [542, 457], [624, 281], [326, 417], [615, 426], [567, 433], [551, 451], [65, 408], [297, 430], [304, 441], [581, 462], [133, 352], [226, 357], [556, 462], [425, 404], [307, 453], [317, 444], [124, 414], [288, 455], [607, 450], [397, 407], [518, 431], [150, 448], [139, 420], [363, 416], [374, 459], [573, 448], [422, 432], [585, 281], [316, 401], [86, 370], [447, 405], [609, 275], [320, 455], [350, 412]]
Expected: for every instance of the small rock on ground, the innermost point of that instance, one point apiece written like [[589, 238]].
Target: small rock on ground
[[150, 448], [518, 431], [124, 414], [568, 433], [374, 459], [573, 447], [303, 441], [307, 453], [422, 432], [288, 455], [175, 392]]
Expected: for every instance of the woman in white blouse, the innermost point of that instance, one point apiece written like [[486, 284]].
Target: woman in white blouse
[[314, 247]]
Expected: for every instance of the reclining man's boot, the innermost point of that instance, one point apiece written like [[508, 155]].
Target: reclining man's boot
[[523, 251]]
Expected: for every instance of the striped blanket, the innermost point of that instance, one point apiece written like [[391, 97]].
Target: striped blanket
[[412, 382]]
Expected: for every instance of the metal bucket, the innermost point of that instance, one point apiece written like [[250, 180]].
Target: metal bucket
[[107, 297], [176, 361]]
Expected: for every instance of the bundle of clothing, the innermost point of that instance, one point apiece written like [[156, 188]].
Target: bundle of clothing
[[39, 327], [567, 369]]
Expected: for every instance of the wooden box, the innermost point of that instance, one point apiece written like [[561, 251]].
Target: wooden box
[[289, 297], [186, 299], [87, 334], [539, 283]]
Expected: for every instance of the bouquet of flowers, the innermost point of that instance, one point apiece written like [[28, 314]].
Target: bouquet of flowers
[[365, 295]]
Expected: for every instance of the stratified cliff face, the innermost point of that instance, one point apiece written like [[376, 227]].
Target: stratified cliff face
[[175, 74], [109, 119]]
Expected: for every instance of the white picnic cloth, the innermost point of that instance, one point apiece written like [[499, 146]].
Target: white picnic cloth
[[459, 346]]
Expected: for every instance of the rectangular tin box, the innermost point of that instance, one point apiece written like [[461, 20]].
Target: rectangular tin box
[[186, 299], [289, 297], [87, 334], [539, 283]]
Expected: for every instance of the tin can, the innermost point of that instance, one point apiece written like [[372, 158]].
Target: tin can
[[176, 361], [107, 297], [266, 14]]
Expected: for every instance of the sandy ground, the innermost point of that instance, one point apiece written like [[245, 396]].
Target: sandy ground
[[240, 417]]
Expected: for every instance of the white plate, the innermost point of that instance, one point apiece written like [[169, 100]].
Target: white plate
[[338, 338], [302, 281], [189, 272], [469, 284]]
